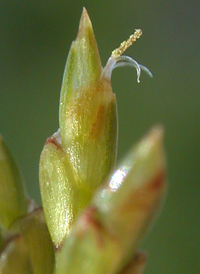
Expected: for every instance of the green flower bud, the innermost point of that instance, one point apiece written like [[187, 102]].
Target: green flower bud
[[79, 157], [71, 170], [120, 213], [88, 112], [13, 202]]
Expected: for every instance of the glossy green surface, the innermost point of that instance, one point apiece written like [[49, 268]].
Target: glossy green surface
[[57, 192]]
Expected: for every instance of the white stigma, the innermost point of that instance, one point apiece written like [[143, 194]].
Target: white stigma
[[122, 61], [118, 60]]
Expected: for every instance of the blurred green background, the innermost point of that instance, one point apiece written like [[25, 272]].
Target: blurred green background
[[35, 37]]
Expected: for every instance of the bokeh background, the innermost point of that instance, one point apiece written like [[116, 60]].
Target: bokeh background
[[35, 37]]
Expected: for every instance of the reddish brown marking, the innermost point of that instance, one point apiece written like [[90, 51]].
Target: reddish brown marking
[[137, 262], [98, 122], [104, 86], [89, 219], [58, 247], [52, 140], [141, 199], [157, 182], [10, 239]]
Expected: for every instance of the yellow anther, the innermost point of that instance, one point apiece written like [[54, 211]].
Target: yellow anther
[[126, 44]]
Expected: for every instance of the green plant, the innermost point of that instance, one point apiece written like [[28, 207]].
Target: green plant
[[94, 216]]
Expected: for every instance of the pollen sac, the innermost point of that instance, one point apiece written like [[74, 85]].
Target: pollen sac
[[13, 202], [88, 112]]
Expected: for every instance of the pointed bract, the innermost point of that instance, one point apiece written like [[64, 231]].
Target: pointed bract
[[56, 192], [88, 112]]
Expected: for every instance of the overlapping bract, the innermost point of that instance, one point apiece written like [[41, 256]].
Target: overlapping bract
[[94, 216], [79, 159]]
